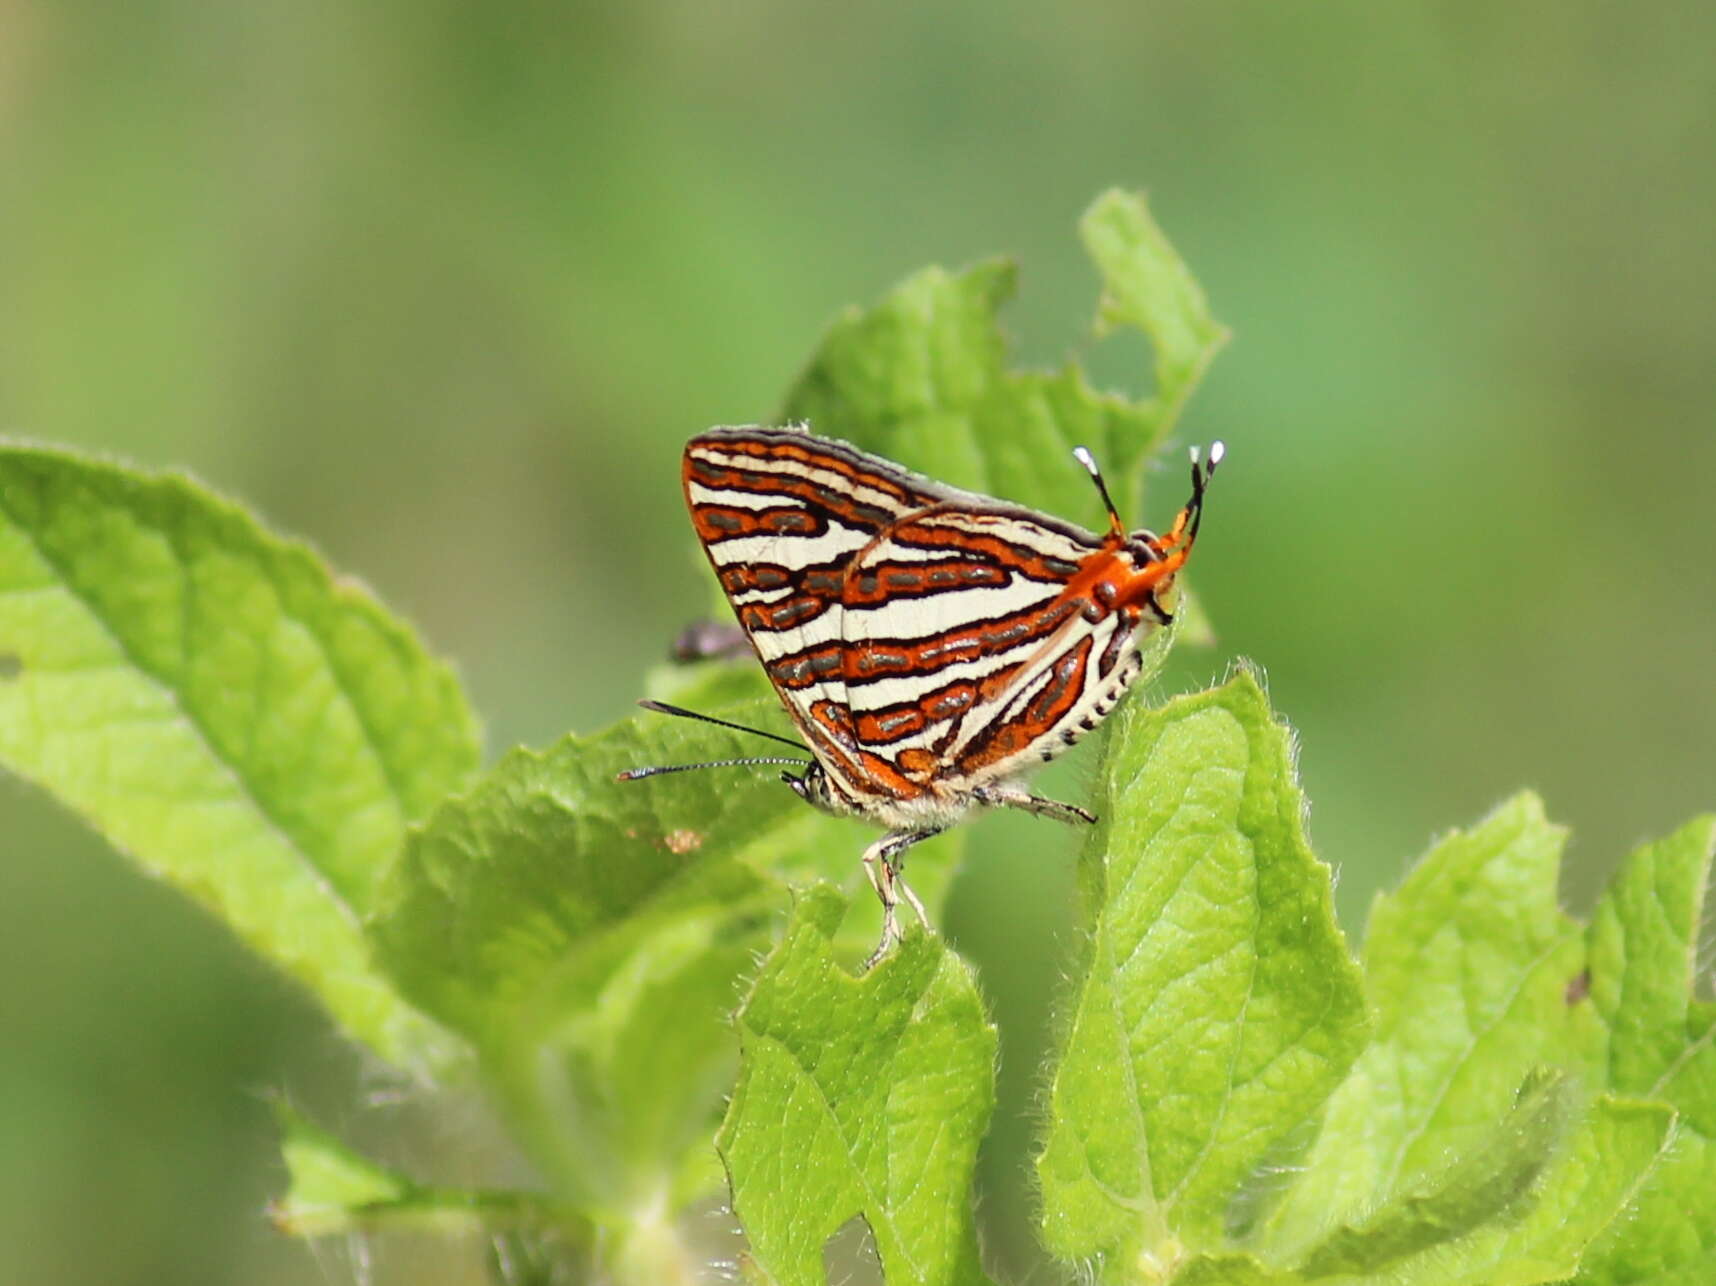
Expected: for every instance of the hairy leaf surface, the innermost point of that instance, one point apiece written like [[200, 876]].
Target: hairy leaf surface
[[860, 1096], [1217, 1005]]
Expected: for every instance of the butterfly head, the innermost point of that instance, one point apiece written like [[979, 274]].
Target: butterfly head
[[1156, 560], [813, 787]]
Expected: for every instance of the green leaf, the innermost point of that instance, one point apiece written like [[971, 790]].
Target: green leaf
[[586, 934], [1486, 1184], [922, 378], [1527, 1222], [1226, 1269], [860, 1096], [1445, 1177], [335, 1190], [1216, 1005], [1476, 976], [1661, 1042], [1147, 286], [645, 1059], [1668, 1237], [1466, 969], [331, 1187], [548, 851], [225, 712], [1643, 941], [1612, 1153]]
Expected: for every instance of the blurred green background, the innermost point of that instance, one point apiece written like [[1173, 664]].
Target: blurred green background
[[443, 288]]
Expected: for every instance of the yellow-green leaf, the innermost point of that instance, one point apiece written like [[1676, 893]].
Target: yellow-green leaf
[[225, 711]]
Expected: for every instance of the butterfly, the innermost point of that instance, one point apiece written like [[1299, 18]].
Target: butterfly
[[930, 644]]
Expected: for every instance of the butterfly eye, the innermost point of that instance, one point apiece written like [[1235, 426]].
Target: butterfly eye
[[1141, 545]]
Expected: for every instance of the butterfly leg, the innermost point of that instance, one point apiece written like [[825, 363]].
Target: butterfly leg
[[882, 865], [1009, 797]]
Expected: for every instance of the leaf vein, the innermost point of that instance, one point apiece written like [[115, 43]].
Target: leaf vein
[[242, 788]]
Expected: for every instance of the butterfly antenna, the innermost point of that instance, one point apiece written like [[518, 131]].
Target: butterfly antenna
[[1202, 471], [1178, 540], [637, 774], [680, 712], [1084, 457]]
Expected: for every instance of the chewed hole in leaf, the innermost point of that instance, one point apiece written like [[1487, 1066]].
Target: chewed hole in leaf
[[849, 1257]]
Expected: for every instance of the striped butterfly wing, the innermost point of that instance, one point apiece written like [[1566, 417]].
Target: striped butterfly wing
[[782, 515], [973, 644], [922, 637]]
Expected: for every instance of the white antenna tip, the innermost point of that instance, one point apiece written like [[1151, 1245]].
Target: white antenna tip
[[1084, 457], [1217, 451]]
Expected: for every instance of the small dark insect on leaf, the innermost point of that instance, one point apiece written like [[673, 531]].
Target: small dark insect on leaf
[[1578, 987]]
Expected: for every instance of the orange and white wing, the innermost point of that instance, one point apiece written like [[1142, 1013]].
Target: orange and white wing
[[975, 646]]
